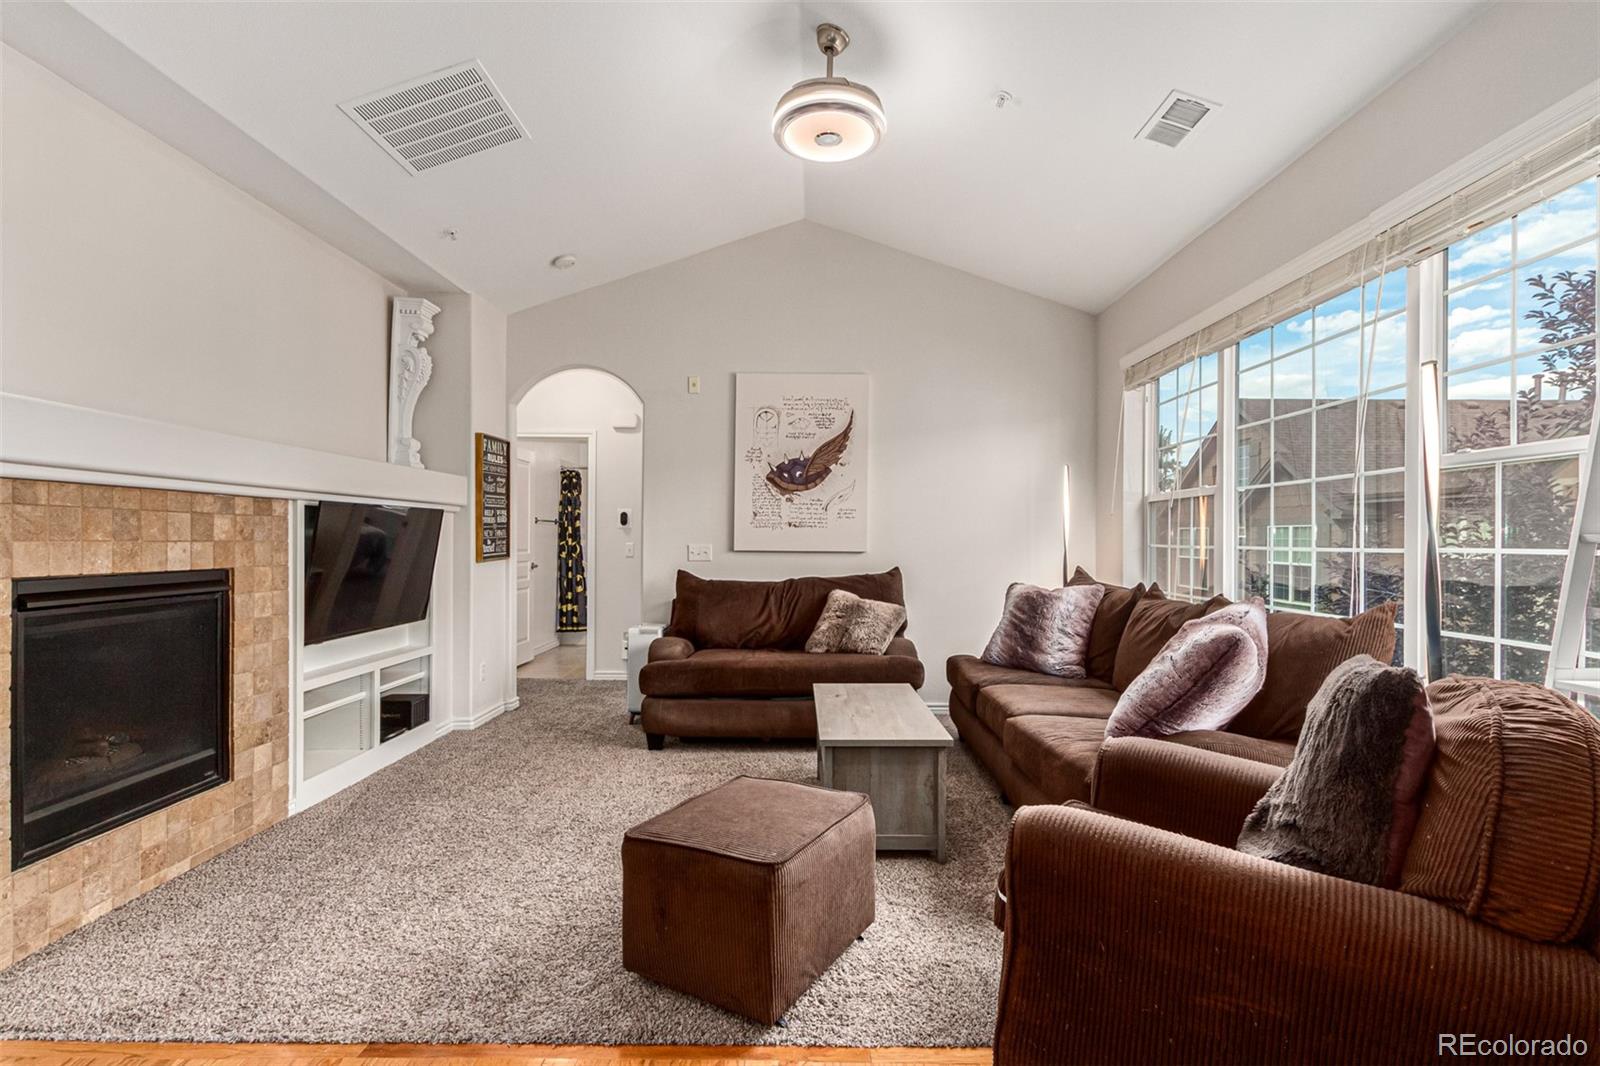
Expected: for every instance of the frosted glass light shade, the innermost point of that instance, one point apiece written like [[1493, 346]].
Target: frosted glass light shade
[[828, 120]]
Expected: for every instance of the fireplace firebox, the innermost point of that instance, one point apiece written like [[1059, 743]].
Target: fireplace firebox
[[119, 701]]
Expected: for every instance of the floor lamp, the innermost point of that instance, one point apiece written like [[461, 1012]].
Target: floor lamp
[[1066, 522]]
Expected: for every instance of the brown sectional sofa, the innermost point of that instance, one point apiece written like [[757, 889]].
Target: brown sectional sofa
[[733, 661], [1177, 948], [1042, 736]]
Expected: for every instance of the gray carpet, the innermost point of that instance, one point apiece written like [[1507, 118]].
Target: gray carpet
[[472, 892]]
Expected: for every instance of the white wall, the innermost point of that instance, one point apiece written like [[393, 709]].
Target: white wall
[[138, 282], [468, 349], [1499, 71], [979, 394], [494, 679], [585, 400]]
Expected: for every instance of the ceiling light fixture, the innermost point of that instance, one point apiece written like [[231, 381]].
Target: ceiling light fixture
[[828, 119], [564, 262]]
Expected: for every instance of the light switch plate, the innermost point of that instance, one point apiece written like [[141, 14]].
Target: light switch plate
[[699, 553], [627, 549], [694, 384]]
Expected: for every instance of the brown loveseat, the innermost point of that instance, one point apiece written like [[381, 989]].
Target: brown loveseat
[[1041, 736], [1180, 949], [733, 661]]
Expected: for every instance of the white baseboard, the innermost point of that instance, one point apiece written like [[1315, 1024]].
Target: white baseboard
[[938, 706], [488, 714], [611, 675]]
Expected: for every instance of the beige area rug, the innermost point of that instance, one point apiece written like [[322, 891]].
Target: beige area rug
[[472, 892]]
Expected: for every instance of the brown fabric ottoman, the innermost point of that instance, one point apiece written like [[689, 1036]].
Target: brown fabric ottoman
[[743, 895]]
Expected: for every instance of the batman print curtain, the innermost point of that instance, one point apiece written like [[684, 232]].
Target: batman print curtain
[[572, 604]]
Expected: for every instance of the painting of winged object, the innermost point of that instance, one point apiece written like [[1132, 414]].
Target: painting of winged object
[[800, 462], [806, 472]]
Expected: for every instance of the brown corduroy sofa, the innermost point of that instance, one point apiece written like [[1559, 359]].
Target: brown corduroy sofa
[[1041, 736], [1176, 948], [733, 663]]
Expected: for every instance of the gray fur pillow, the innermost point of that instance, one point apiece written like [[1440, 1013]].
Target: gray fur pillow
[[1045, 630], [1205, 675], [1349, 801], [851, 624]]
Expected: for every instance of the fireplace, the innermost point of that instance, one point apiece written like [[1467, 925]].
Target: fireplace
[[120, 701]]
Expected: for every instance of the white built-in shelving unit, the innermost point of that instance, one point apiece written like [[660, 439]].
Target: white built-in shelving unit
[[336, 736]]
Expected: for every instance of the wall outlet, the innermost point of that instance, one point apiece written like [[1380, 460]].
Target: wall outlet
[[627, 550], [483, 671], [699, 553], [694, 384]]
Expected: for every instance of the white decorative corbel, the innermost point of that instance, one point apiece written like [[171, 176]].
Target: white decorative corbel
[[410, 367]]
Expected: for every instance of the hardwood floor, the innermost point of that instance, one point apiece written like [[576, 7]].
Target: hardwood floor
[[565, 663], [43, 1053]]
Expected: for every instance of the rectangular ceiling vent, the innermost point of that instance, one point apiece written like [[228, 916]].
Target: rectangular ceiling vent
[[437, 118], [1176, 118]]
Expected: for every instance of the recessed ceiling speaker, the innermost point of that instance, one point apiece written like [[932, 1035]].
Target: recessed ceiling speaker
[[829, 119]]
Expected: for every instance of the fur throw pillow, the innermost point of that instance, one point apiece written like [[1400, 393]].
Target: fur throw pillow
[[849, 623], [873, 625], [1349, 801], [831, 624], [1045, 630], [1205, 675]]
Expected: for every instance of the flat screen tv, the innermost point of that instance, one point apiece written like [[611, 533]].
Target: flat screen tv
[[368, 566]]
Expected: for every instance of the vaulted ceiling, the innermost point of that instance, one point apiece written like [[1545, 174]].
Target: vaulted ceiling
[[650, 139]]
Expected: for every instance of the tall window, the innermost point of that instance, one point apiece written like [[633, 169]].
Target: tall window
[[1519, 363], [1313, 480], [1321, 454], [1180, 510]]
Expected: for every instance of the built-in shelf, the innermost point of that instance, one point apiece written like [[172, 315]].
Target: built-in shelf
[[314, 709], [390, 686], [364, 664]]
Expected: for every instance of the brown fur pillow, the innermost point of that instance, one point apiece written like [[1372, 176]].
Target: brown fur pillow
[[1045, 630], [851, 624], [834, 620], [873, 625]]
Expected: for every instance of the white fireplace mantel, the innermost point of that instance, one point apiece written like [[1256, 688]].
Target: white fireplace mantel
[[49, 440]]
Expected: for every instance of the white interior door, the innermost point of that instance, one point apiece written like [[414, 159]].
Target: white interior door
[[522, 544], [545, 496]]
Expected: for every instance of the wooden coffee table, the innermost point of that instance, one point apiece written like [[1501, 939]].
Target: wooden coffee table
[[883, 740]]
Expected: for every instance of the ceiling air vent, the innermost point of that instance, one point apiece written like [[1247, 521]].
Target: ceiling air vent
[[1176, 118], [438, 118]]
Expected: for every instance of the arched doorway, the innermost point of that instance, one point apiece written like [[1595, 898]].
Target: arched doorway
[[578, 468]]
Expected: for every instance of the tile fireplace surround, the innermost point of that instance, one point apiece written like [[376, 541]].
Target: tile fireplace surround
[[57, 529]]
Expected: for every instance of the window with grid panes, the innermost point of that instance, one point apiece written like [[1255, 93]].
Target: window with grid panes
[[1180, 510], [1518, 384], [1321, 476]]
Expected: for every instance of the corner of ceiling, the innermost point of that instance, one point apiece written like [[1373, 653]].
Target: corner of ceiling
[[75, 48]]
